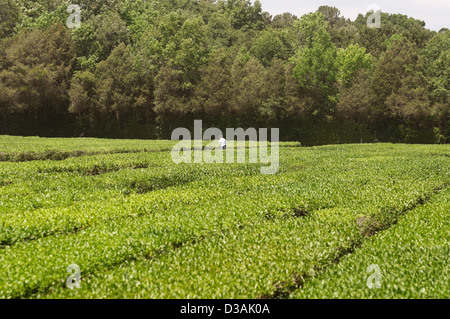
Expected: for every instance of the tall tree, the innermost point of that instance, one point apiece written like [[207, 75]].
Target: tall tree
[[354, 99], [244, 15], [284, 20], [97, 38], [247, 99], [268, 47], [214, 92], [341, 30], [437, 55], [273, 92], [398, 84], [9, 17], [35, 73], [350, 60], [117, 92], [315, 68]]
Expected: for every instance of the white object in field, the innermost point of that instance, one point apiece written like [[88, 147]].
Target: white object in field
[[222, 142]]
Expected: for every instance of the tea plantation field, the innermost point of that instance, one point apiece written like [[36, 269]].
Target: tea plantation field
[[345, 221]]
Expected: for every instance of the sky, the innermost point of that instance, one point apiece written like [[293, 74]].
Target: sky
[[435, 13]]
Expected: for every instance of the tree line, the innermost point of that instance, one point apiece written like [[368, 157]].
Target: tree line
[[141, 68]]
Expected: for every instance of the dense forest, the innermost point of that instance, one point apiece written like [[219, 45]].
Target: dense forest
[[141, 68]]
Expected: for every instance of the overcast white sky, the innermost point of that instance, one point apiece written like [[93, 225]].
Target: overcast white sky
[[435, 13]]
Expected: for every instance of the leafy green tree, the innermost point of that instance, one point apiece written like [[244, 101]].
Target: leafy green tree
[[110, 31], [440, 78], [173, 100], [45, 19], [316, 69], [354, 99], [176, 41], [87, 46], [284, 20], [390, 69], [92, 8], [418, 35], [273, 92], [35, 72], [84, 101], [247, 86], [341, 30], [437, 55], [122, 90], [97, 38], [297, 104], [35, 8], [40, 13], [175, 49], [244, 15], [350, 60], [268, 47], [266, 18], [410, 102], [375, 40], [115, 93], [220, 32], [398, 83], [400, 22], [214, 92], [139, 15], [9, 17]]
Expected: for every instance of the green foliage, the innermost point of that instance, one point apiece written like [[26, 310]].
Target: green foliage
[[437, 53], [35, 73], [138, 16], [97, 38], [315, 68], [244, 15], [342, 31], [123, 218], [9, 16], [45, 18], [92, 8], [350, 60], [354, 99], [268, 47], [119, 87], [246, 79], [177, 41], [400, 21], [397, 82], [175, 47], [284, 20], [214, 92], [83, 94], [417, 245], [132, 92]]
